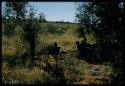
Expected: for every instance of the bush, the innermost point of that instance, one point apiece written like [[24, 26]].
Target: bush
[[8, 29]]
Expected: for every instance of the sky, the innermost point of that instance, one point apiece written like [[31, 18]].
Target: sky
[[56, 11]]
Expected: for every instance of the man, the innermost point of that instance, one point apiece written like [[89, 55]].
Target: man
[[78, 49], [56, 50], [84, 48], [78, 46]]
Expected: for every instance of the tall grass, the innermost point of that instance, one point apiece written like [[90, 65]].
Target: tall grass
[[23, 75], [76, 71]]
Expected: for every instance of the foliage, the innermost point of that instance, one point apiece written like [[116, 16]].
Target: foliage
[[34, 39], [7, 28], [16, 10], [74, 71], [104, 21], [42, 17]]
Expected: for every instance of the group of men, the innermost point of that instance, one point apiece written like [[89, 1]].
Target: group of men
[[81, 49]]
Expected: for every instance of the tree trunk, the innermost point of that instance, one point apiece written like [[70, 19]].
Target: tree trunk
[[32, 44]]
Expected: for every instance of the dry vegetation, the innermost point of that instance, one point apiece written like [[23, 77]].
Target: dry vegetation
[[75, 71]]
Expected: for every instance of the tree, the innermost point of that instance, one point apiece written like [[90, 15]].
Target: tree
[[14, 13], [105, 22], [29, 26], [16, 10], [30, 29], [101, 20], [42, 17]]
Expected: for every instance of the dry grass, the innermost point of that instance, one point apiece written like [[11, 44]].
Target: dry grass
[[80, 72], [22, 75], [76, 71]]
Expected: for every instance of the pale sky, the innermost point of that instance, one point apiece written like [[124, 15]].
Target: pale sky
[[55, 11]]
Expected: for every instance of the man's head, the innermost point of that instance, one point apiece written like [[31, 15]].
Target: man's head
[[85, 39], [77, 42], [55, 43]]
